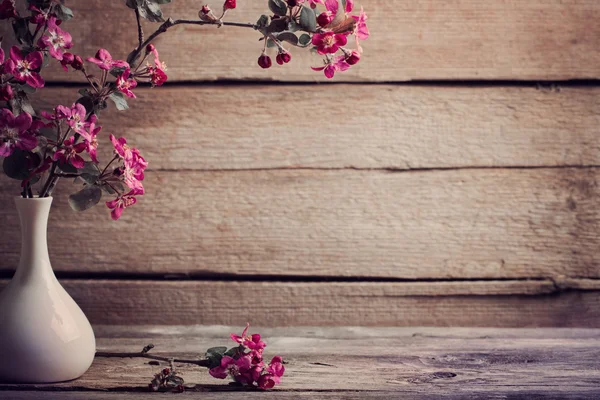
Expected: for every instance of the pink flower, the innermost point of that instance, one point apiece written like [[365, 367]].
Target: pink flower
[[231, 367], [332, 6], [349, 5], [8, 66], [68, 153], [336, 64], [122, 202], [124, 84], [133, 170], [75, 116], [229, 4], [267, 381], [13, 132], [105, 61], [328, 42], [7, 9], [252, 342], [276, 367], [39, 17], [361, 30], [121, 147], [90, 140], [67, 59], [55, 40], [24, 67], [157, 72], [6, 92]]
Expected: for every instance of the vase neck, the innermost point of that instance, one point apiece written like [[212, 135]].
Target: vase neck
[[33, 214]]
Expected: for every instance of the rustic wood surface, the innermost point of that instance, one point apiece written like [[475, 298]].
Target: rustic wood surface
[[453, 224], [363, 126], [423, 40], [528, 303], [356, 363]]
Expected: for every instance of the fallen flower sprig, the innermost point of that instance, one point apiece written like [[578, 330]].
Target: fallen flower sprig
[[243, 363]]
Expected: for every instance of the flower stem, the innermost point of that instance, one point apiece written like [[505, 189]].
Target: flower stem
[[171, 22], [200, 363], [140, 29]]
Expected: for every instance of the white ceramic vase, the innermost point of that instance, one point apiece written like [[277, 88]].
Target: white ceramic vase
[[44, 335]]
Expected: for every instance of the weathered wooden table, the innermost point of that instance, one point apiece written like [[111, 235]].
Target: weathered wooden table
[[353, 363]]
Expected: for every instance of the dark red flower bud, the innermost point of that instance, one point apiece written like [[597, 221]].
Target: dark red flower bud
[[324, 19], [6, 92], [166, 371], [353, 58], [264, 61], [292, 3], [77, 63], [179, 389], [150, 48], [7, 9], [283, 57], [229, 4]]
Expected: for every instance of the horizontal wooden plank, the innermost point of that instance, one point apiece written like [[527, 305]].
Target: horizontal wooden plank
[[363, 126], [429, 39], [445, 365], [471, 303], [488, 223]]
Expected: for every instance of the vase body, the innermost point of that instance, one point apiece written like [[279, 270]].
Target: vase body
[[44, 335]]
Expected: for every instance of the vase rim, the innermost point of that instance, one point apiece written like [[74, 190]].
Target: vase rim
[[34, 198]]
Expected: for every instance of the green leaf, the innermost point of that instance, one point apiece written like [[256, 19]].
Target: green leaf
[[214, 355], [86, 198], [26, 88], [161, 1], [63, 12], [21, 29], [263, 21], [308, 19], [216, 350], [17, 165], [277, 25], [279, 7], [20, 103], [133, 4], [120, 101], [304, 39], [151, 11], [67, 168], [87, 102], [288, 37]]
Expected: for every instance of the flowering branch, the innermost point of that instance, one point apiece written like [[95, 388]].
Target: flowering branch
[[63, 142], [243, 363]]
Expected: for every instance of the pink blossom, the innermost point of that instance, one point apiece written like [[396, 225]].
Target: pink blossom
[[7, 66], [157, 72], [24, 67], [328, 42], [125, 84], [105, 61], [336, 64], [75, 116], [361, 30], [39, 17], [349, 5], [134, 164], [251, 342], [332, 6], [68, 153], [55, 40], [14, 132], [67, 59], [6, 92], [121, 147], [122, 202], [231, 367], [90, 140]]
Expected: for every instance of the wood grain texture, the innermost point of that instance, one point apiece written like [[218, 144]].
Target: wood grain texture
[[487, 223], [458, 39], [363, 126], [471, 303], [326, 364]]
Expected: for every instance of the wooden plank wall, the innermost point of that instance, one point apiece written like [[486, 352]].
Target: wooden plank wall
[[450, 179]]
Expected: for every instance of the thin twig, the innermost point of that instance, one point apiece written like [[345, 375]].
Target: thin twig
[[201, 363], [171, 22], [140, 29]]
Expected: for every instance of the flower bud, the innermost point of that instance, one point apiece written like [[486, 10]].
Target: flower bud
[[353, 58], [324, 19], [6, 92], [229, 4], [205, 14], [77, 63], [166, 371], [150, 48], [264, 61], [292, 3], [179, 389], [283, 57], [7, 9]]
